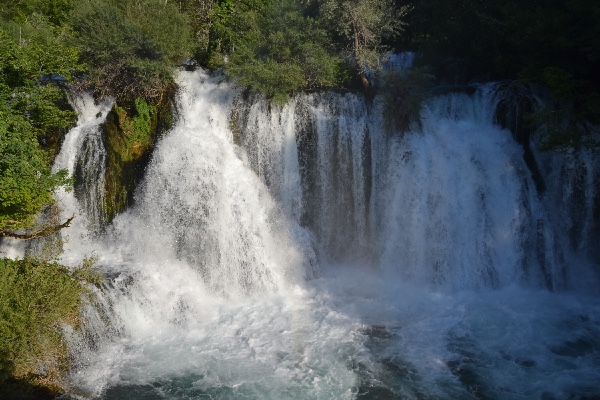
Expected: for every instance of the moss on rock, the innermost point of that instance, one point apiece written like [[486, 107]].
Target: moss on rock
[[130, 132]]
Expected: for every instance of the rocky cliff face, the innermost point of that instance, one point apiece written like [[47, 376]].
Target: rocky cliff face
[[129, 134]]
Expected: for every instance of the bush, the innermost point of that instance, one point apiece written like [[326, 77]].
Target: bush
[[130, 45], [36, 299], [272, 47], [57, 11]]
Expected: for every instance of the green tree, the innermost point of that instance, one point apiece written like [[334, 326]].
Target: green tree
[[362, 25], [29, 112], [200, 15], [26, 180], [131, 46], [57, 11], [273, 47], [36, 299]]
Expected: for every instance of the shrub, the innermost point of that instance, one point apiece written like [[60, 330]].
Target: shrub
[[272, 47], [30, 112], [130, 45], [36, 299]]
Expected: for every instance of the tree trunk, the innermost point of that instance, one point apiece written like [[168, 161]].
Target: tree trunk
[[40, 232], [362, 76]]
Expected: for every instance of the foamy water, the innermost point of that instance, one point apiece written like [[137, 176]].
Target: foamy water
[[309, 254]]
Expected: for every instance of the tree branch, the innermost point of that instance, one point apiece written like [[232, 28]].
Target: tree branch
[[44, 231]]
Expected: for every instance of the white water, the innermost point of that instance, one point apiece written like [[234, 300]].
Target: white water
[[311, 255], [82, 154]]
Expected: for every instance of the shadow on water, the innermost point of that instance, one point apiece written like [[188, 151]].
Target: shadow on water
[[389, 377], [183, 387], [468, 367], [473, 367]]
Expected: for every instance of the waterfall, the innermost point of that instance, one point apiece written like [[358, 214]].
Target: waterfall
[[208, 209], [304, 251], [84, 157], [314, 155], [453, 199], [574, 213]]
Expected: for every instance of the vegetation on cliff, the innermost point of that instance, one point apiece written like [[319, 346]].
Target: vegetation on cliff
[[360, 27], [36, 299], [44, 48], [274, 48], [125, 49], [31, 114], [282, 47], [131, 45], [129, 133]]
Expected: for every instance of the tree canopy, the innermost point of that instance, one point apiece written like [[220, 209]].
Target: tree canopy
[[362, 25], [132, 45], [274, 47], [280, 47], [30, 112]]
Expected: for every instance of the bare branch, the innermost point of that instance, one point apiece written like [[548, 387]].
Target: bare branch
[[41, 232]]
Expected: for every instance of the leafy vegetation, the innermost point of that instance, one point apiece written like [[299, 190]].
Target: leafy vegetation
[[274, 48], [137, 130], [57, 11], [30, 113], [132, 45], [361, 26], [26, 180], [130, 130], [36, 299], [200, 14]]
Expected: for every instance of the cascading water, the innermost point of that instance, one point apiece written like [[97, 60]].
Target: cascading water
[[573, 178], [459, 210], [303, 252], [314, 155], [83, 156]]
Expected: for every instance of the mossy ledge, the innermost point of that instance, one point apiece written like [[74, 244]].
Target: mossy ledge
[[130, 132]]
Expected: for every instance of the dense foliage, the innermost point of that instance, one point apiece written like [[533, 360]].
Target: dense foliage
[[36, 298], [273, 47], [361, 26], [281, 47], [132, 45], [30, 112]]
